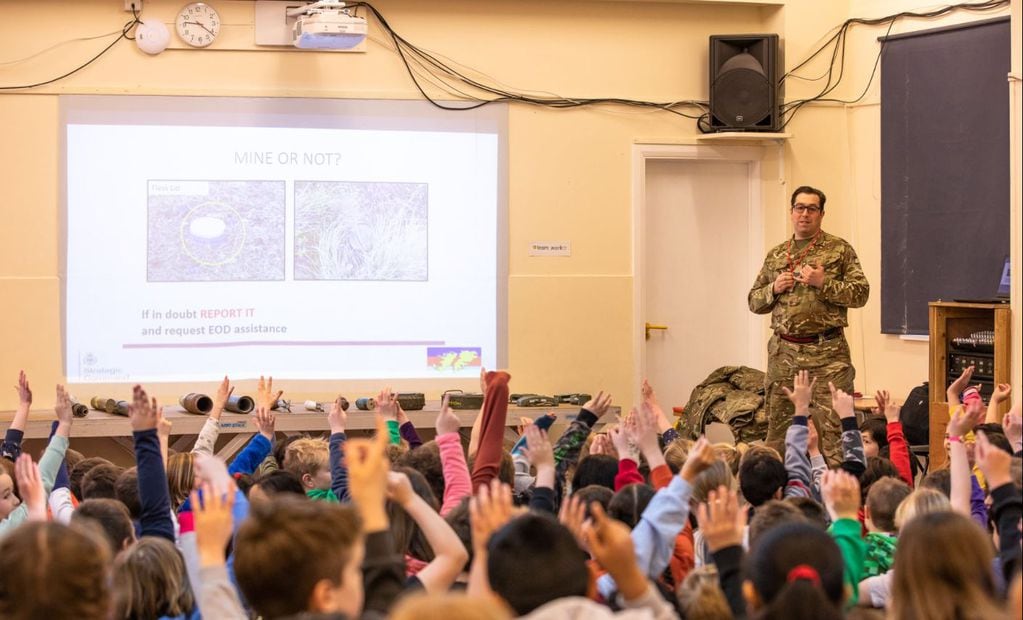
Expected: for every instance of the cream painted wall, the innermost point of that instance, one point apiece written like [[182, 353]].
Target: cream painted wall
[[569, 171], [570, 320], [838, 147]]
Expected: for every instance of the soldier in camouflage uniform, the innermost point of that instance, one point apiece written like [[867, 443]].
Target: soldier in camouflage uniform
[[806, 284]]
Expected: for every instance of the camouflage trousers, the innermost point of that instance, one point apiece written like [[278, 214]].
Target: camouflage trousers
[[827, 361]]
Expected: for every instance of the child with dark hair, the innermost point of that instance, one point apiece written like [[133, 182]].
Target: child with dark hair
[[294, 556], [126, 491], [100, 481], [939, 480], [813, 510], [594, 494], [534, 564], [596, 469], [883, 500], [770, 515], [761, 478], [628, 504], [275, 483], [110, 515], [77, 473], [796, 571]]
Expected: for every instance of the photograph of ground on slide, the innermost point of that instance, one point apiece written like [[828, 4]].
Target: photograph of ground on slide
[[361, 231], [216, 231]]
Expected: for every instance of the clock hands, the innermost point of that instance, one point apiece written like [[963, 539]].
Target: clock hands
[[201, 25]]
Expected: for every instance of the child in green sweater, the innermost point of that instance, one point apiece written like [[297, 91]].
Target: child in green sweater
[[883, 499]]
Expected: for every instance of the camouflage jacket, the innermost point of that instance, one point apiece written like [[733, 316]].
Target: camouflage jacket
[[805, 310]]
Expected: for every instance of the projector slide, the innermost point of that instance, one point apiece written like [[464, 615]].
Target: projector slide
[[195, 251]]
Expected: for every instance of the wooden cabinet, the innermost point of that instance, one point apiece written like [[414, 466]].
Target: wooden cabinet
[[950, 321]]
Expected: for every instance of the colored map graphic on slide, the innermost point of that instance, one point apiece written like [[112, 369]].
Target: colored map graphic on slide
[[453, 358]]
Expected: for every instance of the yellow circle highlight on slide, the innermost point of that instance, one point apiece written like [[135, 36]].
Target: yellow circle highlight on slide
[[195, 253]]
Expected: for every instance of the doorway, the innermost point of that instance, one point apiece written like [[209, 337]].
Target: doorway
[[698, 223]]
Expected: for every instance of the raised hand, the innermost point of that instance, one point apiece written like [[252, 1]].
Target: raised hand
[[599, 404], [30, 487], [1012, 424], [701, 456], [212, 470], [224, 391], [801, 393], [842, 403], [64, 412], [143, 412], [265, 394], [965, 419], [650, 403], [367, 463], [538, 449], [994, 462], [163, 425], [447, 419], [721, 519], [620, 440], [400, 414], [891, 409], [610, 542], [214, 522], [24, 391], [955, 390], [265, 421], [337, 418], [489, 510], [572, 514], [399, 488], [841, 493], [601, 444], [813, 439], [387, 404], [881, 398], [1000, 394], [644, 434]]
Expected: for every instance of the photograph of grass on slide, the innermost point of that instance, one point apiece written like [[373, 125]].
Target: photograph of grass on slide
[[361, 231], [214, 231]]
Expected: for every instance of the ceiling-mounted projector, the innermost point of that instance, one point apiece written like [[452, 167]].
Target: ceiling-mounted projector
[[327, 24]]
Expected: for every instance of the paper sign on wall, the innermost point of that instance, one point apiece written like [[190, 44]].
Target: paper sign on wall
[[550, 248]]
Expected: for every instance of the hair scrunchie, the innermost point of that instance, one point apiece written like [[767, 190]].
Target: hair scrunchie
[[804, 572]]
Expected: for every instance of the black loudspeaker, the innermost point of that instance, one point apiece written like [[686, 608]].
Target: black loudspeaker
[[744, 92]]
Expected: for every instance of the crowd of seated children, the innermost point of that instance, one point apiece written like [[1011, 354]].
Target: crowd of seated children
[[610, 518]]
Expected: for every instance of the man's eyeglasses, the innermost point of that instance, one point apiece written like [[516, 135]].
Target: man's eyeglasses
[[801, 208]]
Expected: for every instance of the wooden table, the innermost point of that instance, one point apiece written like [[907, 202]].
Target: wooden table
[[239, 429]]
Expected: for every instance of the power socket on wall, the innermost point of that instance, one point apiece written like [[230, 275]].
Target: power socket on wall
[[137, 5]]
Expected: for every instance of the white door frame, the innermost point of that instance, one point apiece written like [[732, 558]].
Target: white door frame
[[641, 153]]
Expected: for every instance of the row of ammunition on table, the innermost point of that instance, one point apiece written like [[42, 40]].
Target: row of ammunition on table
[[202, 404]]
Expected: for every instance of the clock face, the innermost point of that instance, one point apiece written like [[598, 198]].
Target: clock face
[[198, 24]]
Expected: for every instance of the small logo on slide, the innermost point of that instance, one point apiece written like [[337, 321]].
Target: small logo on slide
[[89, 359], [452, 359]]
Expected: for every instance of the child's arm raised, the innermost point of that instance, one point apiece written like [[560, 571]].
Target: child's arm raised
[[11, 447], [383, 570], [898, 447], [797, 464], [841, 493], [450, 555], [207, 439], [154, 496]]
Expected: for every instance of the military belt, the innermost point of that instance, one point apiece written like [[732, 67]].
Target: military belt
[[834, 332]]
